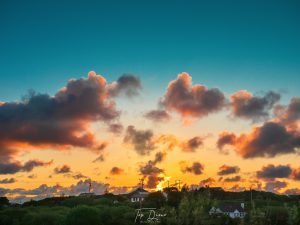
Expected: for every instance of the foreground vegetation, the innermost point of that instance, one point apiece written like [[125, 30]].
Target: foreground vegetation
[[181, 207]]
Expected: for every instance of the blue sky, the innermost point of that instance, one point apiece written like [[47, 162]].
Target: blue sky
[[233, 45]]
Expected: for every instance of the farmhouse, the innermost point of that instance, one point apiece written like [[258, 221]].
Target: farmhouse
[[138, 195], [231, 210]]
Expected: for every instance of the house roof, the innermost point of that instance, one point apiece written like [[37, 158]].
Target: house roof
[[138, 192], [228, 207]]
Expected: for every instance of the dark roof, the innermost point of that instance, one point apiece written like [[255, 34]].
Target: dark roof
[[138, 192], [229, 207]]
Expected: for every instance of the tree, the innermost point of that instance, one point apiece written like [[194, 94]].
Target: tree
[[293, 215], [84, 215]]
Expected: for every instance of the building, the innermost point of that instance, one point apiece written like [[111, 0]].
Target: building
[[231, 210], [138, 195]]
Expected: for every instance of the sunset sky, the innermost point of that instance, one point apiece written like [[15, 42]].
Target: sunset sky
[[206, 92]]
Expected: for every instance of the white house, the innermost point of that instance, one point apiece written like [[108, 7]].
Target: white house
[[138, 195], [231, 210]]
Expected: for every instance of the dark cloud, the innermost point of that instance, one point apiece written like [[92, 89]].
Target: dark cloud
[[196, 168], [62, 169], [192, 144], [292, 191], [225, 138], [289, 114], [271, 172], [191, 100], [159, 157], [115, 128], [142, 140], [225, 170], [150, 169], [116, 171], [100, 158], [157, 115], [275, 186], [151, 172], [268, 140], [79, 176], [8, 181], [127, 84], [296, 174], [62, 120], [16, 166], [153, 181], [232, 179], [207, 182], [255, 108]]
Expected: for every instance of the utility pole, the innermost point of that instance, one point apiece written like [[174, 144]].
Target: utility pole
[[90, 186]]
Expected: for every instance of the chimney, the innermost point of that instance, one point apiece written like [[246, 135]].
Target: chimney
[[243, 205]]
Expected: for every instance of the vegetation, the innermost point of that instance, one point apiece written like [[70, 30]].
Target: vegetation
[[181, 208]]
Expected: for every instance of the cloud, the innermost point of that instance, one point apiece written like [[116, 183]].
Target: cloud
[[289, 115], [16, 166], [141, 140], [151, 172], [225, 170], [79, 176], [271, 172], [268, 140], [275, 186], [63, 120], [116, 171], [115, 128], [192, 144], [292, 191], [245, 105], [191, 100], [236, 188], [62, 169], [207, 182], [100, 158], [157, 115], [233, 179], [296, 174], [127, 84], [8, 181], [226, 138], [196, 168]]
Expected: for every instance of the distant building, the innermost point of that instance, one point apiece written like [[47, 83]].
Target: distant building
[[231, 210], [138, 195]]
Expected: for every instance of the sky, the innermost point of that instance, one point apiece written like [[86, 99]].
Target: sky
[[206, 92]]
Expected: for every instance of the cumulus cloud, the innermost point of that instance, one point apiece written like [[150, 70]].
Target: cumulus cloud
[[289, 115], [8, 181], [292, 191], [207, 182], [116, 171], [192, 144], [232, 179], [226, 138], [275, 186], [296, 174], [225, 170], [127, 84], [16, 166], [62, 169], [196, 168], [157, 115], [141, 140], [115, 128], [272, 172], [63, 120], [151, 172], [268, 140], [191, 100], [255, 108]]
